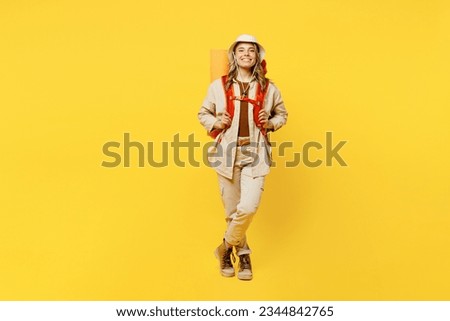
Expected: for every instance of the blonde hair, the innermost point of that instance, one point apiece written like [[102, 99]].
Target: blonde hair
[[257, 70]]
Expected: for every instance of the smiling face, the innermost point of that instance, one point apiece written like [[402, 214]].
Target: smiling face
[[245, 55]]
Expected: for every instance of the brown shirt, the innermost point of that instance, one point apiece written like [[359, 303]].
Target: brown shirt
[[243, 119]]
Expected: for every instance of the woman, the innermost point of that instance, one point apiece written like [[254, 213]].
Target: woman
[[240, 110]]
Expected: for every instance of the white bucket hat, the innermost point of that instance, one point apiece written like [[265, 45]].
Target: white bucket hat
[[246, 38]]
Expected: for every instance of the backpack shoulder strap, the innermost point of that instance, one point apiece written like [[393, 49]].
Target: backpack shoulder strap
[[229, 96], [259, 104]]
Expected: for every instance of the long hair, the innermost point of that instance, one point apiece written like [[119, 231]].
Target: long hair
[[257, 70]]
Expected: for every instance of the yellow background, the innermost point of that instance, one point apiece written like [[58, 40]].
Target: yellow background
[[77, 74]]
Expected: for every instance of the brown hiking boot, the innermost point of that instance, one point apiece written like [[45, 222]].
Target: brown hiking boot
[[245, 268], [223, 254]]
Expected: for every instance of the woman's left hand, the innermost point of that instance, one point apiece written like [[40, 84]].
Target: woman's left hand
[[263, 118]]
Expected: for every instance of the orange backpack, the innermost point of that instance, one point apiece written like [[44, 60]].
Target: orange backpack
[[257, 103]]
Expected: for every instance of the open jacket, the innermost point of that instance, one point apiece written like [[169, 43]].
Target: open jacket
[[222, 154]]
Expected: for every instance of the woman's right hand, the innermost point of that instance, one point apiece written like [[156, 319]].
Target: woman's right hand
[[224, 122]]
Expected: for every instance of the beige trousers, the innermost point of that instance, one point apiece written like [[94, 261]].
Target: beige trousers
[[241, 196]]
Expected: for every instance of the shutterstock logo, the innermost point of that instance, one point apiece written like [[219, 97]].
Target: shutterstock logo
[[183, 152]]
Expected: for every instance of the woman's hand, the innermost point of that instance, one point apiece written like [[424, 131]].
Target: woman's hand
[[224, 122], [263, 118]]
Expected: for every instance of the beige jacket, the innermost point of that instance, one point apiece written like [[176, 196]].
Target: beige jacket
[[223, 153]]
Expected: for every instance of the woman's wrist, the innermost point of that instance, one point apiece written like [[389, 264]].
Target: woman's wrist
[[269, 125]]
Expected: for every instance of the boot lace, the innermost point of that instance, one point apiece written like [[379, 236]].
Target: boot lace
[[226, 259], [245, 263]]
